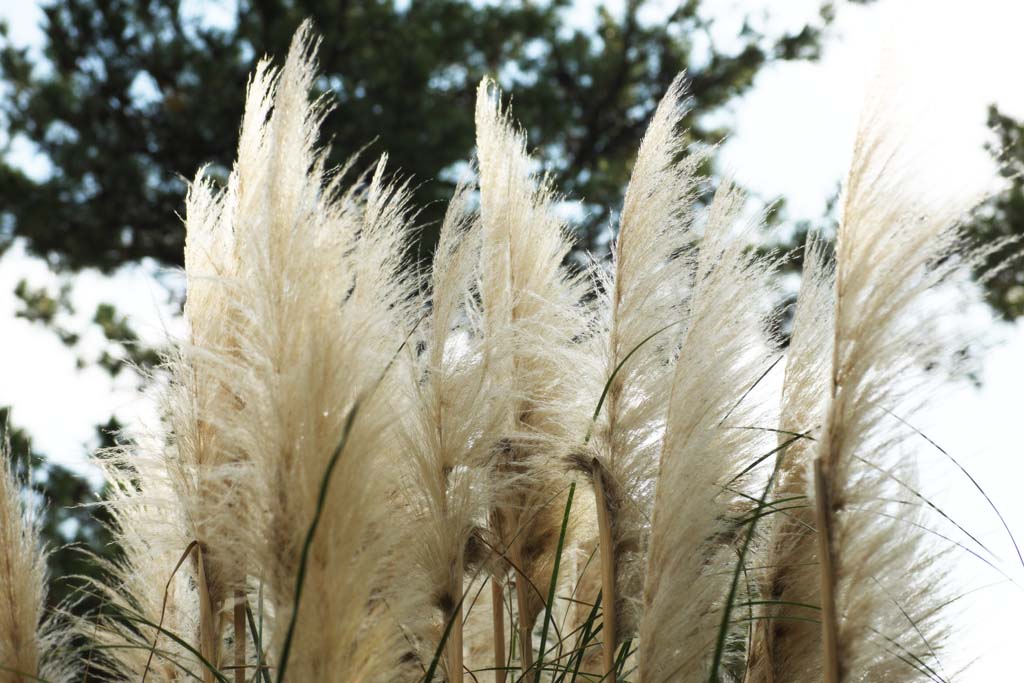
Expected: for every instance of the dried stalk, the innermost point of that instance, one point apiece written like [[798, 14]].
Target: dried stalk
[[239, 618], [523, 603], [608, 597], [498, 611], [454, 655], [829, 624], [208, 634]]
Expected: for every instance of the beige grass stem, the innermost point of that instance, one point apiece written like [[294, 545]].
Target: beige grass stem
[[523, 603], [608, 593], [239, 625], [829, 622], [454, 645], [498, 612], [209, 634]]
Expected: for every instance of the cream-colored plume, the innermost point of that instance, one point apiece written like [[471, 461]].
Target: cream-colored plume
[[152, 596], [191, 485], [318, 291], [786, 643], [642, 307], [206, 458], [698, 507], [878, 582], [296, 310], [33, 646], [532, 304], [456, 412]]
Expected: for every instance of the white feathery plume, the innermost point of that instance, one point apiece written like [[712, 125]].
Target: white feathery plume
[[642, 303], [208, 467], [786, 646], [151, 596], [33, 646], [198, 466], [321, 312], [878, 580], [707, 444], [532, 303], [455, 414]]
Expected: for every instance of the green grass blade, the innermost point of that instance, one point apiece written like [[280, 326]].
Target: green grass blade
[[165, 655], [913, 624], [624, 653], [428, 677], [750, 389], [788, 603], [163, 605], [322, 499], [307, 544], [952, 541], [589, 632], [180, 641], [554, 581], [776, 617], [973, 481], [917, 494], [257, 641], [778, 449], [615, 372], [723, 628]]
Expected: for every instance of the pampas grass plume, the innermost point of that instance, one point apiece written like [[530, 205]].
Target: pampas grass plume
[[32, 645]]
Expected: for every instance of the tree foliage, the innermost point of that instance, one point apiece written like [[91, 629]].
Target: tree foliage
[[1001, 221], [134, 95]]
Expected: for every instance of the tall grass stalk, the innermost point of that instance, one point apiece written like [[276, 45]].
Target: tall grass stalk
[[642, 292], [879, 580], [782, 648], [532, 304], [498, 607]]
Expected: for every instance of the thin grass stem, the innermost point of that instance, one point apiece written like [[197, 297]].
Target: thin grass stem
[[239, 623], [829, 616], [604, 529], [498, 613]]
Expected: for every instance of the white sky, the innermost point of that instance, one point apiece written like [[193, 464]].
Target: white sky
[[945, 60]]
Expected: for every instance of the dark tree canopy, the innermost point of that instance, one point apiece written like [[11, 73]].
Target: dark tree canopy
[[133, 96], [1002, 219]]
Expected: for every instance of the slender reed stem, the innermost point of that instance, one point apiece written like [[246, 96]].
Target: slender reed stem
[[498, 611], [454, 655], [522, 601], [239, 615], [604, 528], [208, 636], [829, 623]]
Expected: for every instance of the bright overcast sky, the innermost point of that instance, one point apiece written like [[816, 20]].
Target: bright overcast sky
[[947, 60]]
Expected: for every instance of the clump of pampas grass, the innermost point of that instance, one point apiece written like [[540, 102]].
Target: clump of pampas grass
[[516, 465], [33, 646]]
